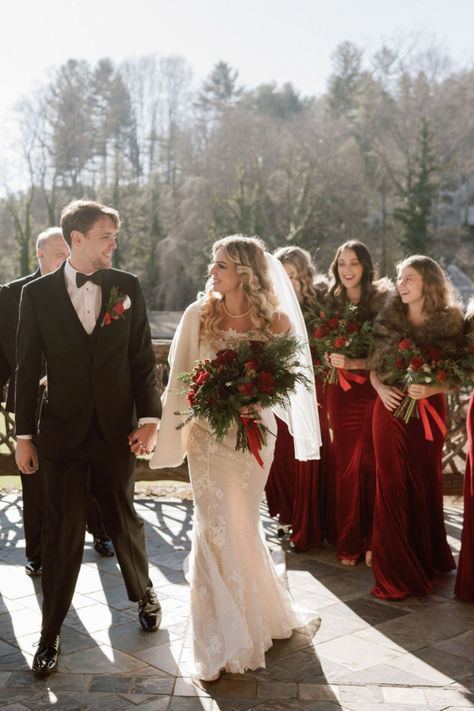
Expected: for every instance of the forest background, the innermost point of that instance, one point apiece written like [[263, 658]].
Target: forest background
[[384, 155]]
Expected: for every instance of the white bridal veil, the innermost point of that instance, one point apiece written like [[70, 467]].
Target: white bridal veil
[[301, 415]]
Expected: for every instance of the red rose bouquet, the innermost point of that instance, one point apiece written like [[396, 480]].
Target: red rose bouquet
[[423, 365], [333, 332], [254, 373]]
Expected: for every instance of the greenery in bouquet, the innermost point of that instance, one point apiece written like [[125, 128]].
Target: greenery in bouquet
[[255, 373], [335, 332], [411, 364]]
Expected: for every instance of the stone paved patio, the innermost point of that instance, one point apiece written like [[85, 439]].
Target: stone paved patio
[[410, 655]]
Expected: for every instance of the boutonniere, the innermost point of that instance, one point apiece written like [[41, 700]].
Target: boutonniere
[[116, 306]]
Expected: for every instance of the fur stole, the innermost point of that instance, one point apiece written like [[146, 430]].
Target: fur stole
[[367, 309], [444, 330]]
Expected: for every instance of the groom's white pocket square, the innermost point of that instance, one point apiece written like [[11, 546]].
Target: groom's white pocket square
[[126, 302]]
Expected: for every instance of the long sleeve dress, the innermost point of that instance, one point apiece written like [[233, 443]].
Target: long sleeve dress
[[350, 414], [464, 587], [238, 602], [409, 533]]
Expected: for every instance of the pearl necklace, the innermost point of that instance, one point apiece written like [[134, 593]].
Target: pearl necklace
[[235, 315]]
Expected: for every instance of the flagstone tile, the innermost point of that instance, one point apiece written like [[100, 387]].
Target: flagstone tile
[[153, 685], [461, 645], [380, 674], [235, 688], [355, 653], [131, 637], [164, 657], [71, 641], [318, 692], [452, 665], [100, 660], [115, 597], [399, 695], [188, 686], [111, 683], [196, 703], [4, 677], [333, 626], [427, 673], [63, 682], [449, 697], [95, 618], [360, 693], [158, 703]]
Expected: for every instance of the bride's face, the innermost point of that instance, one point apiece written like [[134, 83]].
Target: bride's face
[[224, 274]]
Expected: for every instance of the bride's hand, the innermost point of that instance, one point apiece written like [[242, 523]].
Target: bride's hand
[[143, 439], [252, 412]]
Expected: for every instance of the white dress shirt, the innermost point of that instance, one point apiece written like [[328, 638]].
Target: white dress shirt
[[87, 299]]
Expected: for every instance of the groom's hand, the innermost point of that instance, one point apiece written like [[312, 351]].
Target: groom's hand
[[143, 439], [26, 456]]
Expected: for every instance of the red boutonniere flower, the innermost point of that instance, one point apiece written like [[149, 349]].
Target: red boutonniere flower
[[116, 306]]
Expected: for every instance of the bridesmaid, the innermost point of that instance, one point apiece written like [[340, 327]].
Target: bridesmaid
[[309, 516], [350, 411], [409, 531], [464, 587]]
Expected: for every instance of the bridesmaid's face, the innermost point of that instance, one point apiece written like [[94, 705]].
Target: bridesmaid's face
[[223, 272], [349, 268], [410, 286], [295, 282]]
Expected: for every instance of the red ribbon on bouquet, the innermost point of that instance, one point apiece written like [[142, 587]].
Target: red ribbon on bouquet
[[425, 408], [345, 375], [253, 437]]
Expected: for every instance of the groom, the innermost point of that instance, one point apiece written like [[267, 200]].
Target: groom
[[89, 323]]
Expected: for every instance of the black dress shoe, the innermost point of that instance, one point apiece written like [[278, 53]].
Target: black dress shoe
[[45, 661], [103, 545], [149, 611], [33, 567]]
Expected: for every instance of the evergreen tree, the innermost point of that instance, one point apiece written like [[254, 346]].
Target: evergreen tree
[[417, 197]]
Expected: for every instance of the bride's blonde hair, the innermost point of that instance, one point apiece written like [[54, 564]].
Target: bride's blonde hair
[[248, 255]]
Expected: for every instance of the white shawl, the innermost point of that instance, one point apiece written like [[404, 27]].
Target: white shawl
[[184, 352]]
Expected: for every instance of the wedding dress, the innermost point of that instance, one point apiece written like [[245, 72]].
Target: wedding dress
[[238, 602]]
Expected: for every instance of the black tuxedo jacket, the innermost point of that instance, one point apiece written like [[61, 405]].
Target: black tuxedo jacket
[[9, 310], [112, 372]]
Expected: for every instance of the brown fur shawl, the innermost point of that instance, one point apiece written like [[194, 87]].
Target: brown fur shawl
[[443, 330], [372, 304]]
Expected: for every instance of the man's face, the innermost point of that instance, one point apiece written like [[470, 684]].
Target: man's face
[[94, 248], [52, 254]]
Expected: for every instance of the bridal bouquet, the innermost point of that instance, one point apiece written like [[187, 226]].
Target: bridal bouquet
[[255, 373], [333, 332], [423, 365]]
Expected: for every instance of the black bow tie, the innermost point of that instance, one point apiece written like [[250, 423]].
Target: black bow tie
[[81, 279]]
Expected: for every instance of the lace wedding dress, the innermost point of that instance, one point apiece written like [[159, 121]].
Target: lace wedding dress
[[238, 602]]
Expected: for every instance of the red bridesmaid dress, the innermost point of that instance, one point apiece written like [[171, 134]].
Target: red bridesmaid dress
[[409, 534], [350, 414], [464, 587], [280, 486], [313, 519]]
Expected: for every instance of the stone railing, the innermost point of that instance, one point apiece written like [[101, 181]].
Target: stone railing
[[454, 455]]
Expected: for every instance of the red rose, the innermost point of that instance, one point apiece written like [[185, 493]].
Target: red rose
[[353, 327], [403, 345], [246, 388], [256, 346], [252, 363], [107, 318], [472, 348], [203, 375], [212, 401], [333, 323], [119, 308], [441, 376], [225, 356], [318, 333], [416, 362], [400, 363], [325, 330], [340, 342], [191, 394], [433, 352], [265, 382]]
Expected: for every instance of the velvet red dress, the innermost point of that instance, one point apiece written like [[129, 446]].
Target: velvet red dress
[[409, 534], [311, 505], [350, 414], [464, 587], [280, 486]]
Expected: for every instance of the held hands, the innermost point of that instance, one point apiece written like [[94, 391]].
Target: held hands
[[26, 456], [143, 439]]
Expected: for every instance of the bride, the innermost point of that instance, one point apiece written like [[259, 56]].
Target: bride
[[238, 602]]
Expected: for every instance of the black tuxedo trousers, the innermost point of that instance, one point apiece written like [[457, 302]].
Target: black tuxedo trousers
[[69, 474]]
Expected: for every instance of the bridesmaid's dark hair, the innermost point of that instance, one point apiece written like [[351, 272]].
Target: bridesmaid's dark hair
[[337, 290]]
